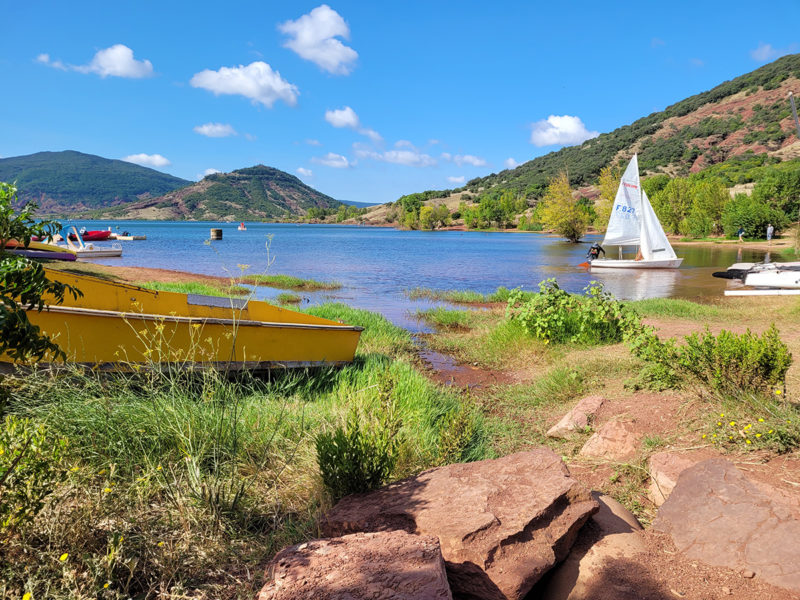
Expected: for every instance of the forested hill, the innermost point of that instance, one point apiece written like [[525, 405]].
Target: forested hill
[[71, 182], [749, 112], [258, 192]]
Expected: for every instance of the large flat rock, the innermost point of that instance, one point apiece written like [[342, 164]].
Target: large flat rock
[[614, 441], [501, 524], [716, 515], [384, 565]]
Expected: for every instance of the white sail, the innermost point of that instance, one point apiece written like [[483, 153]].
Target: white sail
[[624, 227], [654, 242]]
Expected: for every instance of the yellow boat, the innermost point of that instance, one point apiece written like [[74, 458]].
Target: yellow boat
[[117, 326]]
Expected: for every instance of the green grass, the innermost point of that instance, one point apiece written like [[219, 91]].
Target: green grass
[[461, 296], [288, 298], [193, 287], [675, 308], [185, 483], [447, 318], [288, 282]]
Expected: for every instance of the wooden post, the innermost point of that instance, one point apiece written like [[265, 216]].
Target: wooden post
[[216, 234]]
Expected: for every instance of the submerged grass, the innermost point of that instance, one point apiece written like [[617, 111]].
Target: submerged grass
[[181, 483], [461, 296], [288, 282], [193, 287], [288, 298], [446, 318]]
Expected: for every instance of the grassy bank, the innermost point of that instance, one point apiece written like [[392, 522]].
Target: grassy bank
[[185, 484], [193, 287], [289, 282]]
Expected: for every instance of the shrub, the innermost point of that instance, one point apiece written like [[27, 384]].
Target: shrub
[[558, 316], [29, 470], [725, 363], [753, 215], [360, 456]]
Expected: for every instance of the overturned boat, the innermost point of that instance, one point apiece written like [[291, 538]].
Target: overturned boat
[[767, 278], [116, 326]]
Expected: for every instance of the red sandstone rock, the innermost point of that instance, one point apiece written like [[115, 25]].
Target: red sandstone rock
[[578, 418], [615, 440], [385, 565], [613, 533], [716, 515], [501, 523], [665, 467]]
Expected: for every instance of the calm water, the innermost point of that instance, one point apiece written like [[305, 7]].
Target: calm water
[[377, 265]]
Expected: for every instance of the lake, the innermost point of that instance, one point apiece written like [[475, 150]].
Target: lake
[[377, 265]]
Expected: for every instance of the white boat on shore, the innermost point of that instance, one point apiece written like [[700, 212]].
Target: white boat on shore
[[90, 250], [764, 276], [633, 222]]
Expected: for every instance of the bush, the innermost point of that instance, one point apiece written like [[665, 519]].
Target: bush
[[753, 215], [727, 363], [361, 455], [555, 315], [29, 471]]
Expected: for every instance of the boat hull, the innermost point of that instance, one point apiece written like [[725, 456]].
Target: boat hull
[[122, 327], [773, 278], [607, 263]]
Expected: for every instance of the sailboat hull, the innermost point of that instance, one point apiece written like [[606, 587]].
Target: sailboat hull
[[607, 263]]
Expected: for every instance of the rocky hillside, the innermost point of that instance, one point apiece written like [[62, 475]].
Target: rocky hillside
[[72, 182], [748, 116], [259, 192]]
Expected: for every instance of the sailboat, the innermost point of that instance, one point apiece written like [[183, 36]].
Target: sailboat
[[633, 222]]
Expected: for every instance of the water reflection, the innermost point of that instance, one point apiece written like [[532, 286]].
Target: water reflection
[[638, 284]]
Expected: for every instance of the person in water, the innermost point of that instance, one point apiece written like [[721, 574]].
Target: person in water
[[594, 251]]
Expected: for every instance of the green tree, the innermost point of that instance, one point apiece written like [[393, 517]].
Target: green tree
[[23, 282], [441, 215], [780, 190], [426, 218], [709, 199], [753, 215], [608, 184], [560, 211], [673, 203]]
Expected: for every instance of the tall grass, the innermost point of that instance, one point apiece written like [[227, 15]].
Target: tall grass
[[185, 483], [675, 308], [461, 296], [289, 282], [194, 287]]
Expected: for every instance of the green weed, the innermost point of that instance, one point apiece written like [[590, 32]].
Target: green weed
[[289, 282]]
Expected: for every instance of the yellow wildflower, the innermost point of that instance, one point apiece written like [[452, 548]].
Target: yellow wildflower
[[27, 596], [778, 392], [107, 490], [74, 469], [106, 584], [771, 431], [732, 423], [719, 423], [160, 544], [748, 441], [760, 420], [704, 436], [758, 435], [63, 557], [158, 468]]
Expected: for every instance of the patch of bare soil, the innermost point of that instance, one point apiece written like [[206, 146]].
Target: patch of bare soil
[[444, 369], [135, 274]]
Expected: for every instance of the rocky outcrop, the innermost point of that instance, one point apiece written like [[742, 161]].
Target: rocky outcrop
[[386, 565], [716, 515], [615, 440], [610, 535], [501, 524], [578, 419]]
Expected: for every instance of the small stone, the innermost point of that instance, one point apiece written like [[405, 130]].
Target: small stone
[[726, 591], [747, 574]]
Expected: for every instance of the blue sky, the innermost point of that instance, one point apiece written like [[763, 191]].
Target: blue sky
[[364, 101]]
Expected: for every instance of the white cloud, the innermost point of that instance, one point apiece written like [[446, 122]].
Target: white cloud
[[256, 81], [468, 159], [766, 52], [250, 137], [215, 130], [459, 179], [337, 161], [510, 163], [208, 172], [446, 156], [147, 160], [433, 142], [347, 117], [304, 172], [409, 158], [697, 62], [115, 61], [313, 142], [562, 130], [343, 117], [313, 37], [371, 134], [403, 144]]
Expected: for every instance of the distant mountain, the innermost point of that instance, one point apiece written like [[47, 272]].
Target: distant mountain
[[255, 193], [72, 182], [359, 204]]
